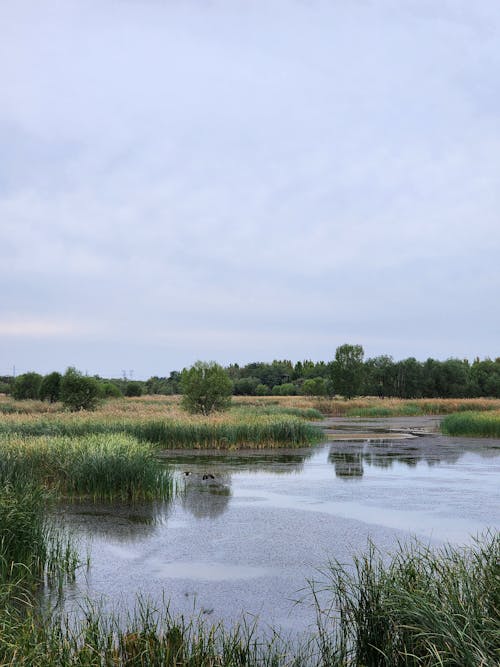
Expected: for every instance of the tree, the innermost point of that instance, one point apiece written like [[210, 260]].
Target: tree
[[314, 387], [50, 388], [27, 386], [347, 370], [79, 392], [205, 387], [133, 389]]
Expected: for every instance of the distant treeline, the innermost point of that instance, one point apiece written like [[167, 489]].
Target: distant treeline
[[348, 374]]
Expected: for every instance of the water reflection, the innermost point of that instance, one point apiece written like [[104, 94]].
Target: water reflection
[[350, 458], [276, 462], [119, 521]]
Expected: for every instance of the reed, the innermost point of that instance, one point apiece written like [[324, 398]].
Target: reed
[[32, 548], [96, 466], [424, 607], [242, 428], [473, 424]]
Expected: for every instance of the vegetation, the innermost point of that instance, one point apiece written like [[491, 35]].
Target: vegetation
[[27, 386], [424, 607], [50, 389], [206, 388], [79, 392], [474, 424], [421, 608], [97, 466], [347, 370]]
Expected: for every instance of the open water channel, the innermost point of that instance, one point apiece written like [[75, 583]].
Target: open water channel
[[250, 527]]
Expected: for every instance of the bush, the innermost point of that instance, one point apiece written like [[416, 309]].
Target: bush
[[27, 386], [79, 392], [315, 387], [262, 390], [110, 390], [50, 388], [206, 387], [133, 389], [246, 386]]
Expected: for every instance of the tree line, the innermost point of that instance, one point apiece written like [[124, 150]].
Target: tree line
[[348, 374]]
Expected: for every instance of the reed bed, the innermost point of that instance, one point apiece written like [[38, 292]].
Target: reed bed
[[395, 407], [242, 427], [32, 548], [421, 607], [473, 424], [105, 467]]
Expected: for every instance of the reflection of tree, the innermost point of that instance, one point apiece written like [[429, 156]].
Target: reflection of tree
[[206, 501], [349, 457], [347, 465]]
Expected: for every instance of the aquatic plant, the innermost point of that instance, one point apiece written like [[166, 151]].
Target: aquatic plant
[[98, 466], [474, 424], [422, 607]]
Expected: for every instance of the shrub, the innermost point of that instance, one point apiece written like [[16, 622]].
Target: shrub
[[314, 387], [206, 387], [79, 392], [50, 388], [27, 386], [133, 389], [110, 390], [262, 390]]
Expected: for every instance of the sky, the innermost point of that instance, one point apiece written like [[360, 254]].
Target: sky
[[238, 181]]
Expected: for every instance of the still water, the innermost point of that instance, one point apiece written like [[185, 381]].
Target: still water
[[250, 528]]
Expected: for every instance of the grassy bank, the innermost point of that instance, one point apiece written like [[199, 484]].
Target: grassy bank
[[474, 424], [420, 608]]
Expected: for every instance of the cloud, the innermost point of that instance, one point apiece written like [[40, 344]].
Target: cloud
[[174, 173]]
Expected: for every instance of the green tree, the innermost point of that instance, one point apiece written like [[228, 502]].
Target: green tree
[[79, 392], [205, 387], [27, 386], [133, 389], [314, 387], [50, 389], [347, 370]]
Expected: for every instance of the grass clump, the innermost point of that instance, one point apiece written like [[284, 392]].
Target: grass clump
[[424, 608], [101, 467], [474, 424]]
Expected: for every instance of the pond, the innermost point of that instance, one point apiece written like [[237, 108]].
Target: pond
[[250, 527]]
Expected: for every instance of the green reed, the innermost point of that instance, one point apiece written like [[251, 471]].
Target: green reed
[[251, 431], [97, 466], [474, 424], [422, 608]]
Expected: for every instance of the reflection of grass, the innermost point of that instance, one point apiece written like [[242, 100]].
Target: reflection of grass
[[97, 466], [421, 608], [473, 424]]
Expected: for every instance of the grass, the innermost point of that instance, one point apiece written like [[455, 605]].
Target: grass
[[424, 607], [104, 467], [163, 423], [420, 608], [474, 424], [32, 549]]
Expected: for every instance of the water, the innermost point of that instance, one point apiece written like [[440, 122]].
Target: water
[[251, 527]]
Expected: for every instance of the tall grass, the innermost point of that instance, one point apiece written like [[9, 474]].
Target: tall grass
[[248, 430], [423, 608], [475, 424], [101, 467], [32, 549]]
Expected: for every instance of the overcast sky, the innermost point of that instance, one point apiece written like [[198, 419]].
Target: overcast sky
[[242, 181]]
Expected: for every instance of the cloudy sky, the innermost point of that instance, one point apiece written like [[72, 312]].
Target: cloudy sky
[[238, 181]]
